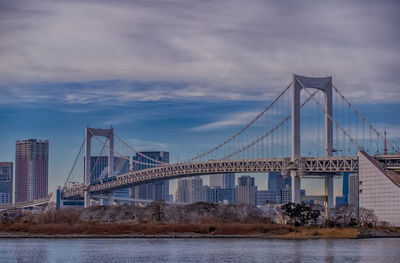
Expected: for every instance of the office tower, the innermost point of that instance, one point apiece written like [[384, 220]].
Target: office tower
[[195, 189], [267, 197], [246, 190], [345, 187], [31, 169], [6, 182], [224, 181], [340, 200], [158, 190], [275, 181], [209, 194], [353, 190], [225, 196], [286, 194], [182, 192], [190, 190], [218, 195]]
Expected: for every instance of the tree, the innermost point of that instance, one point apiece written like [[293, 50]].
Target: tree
[[299, 214], [314, 215], [367, 217], [345, 215]]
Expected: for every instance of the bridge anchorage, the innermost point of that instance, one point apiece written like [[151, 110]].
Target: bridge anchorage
[[276, 140]]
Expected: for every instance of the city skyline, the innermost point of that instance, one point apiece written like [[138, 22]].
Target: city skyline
[[175, 92]]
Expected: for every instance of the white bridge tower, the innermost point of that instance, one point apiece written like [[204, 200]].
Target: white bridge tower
[[325, 85]]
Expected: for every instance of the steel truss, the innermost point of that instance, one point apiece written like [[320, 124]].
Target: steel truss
[[305, 166]]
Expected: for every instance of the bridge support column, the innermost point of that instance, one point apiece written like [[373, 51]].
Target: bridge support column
[[86, 198], [295, 187], [329, 190], [110, 200]]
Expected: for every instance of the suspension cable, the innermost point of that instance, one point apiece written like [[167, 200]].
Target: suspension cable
[[240, 131], [362, 118], [268, 132], [98, 158], [138, 153], [330, 117], [73, 166], [121, 155]]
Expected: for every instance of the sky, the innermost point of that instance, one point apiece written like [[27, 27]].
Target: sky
[[182, 76]]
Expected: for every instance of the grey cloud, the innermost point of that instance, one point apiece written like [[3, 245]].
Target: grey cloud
[[221, 49]]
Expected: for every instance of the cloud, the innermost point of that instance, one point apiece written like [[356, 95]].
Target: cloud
[[232, 50], [240, 118], [143, 145]]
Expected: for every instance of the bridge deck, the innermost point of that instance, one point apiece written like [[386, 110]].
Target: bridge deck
[[305, 166]]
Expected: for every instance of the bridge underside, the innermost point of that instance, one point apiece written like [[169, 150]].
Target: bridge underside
[[303, 166]]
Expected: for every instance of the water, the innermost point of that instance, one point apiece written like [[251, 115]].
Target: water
[[199, 250]]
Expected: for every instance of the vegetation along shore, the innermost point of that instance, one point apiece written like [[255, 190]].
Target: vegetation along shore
[[198, 220]]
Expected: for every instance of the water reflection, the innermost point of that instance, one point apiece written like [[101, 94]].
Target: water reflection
[[198, 250]]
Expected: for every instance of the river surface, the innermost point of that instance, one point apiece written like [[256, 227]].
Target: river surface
[[199, 250]]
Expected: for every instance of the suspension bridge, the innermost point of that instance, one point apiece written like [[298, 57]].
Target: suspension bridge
[[309, 130]]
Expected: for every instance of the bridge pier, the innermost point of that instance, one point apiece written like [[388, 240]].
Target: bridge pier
[[110, 200], [329, 190], [295, 187], [86, 198]]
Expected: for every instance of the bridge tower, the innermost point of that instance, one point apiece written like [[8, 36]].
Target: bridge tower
[[325, 85], [89, 133]]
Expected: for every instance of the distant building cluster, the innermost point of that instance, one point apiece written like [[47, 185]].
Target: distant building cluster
[[31, 181], [222, 189], [158, 190]]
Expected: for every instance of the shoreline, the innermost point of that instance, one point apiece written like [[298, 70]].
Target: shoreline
[[10, 235]]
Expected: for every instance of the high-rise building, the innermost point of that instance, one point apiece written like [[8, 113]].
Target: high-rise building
[[218, 195], [286, 194], [190, 190], [224, 181], [31, 169], [246, 190], [6, 182], [267, 197], [278, 183], [340, 200], [195, 189], [275, 181], [152, 191], [353, 190], [182, 192], [345, 187]]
